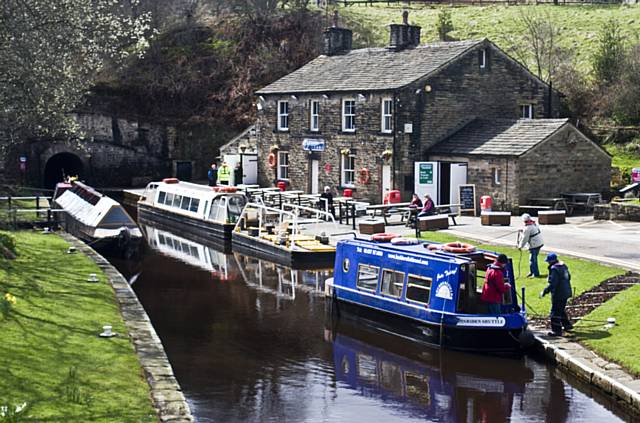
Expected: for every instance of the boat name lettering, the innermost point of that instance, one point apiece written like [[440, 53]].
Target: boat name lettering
[[409, 259], [369, 251], [446, 273], [481, 321]]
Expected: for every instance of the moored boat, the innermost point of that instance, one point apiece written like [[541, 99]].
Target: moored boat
[[96, 218], [207, 214], [430, 296]]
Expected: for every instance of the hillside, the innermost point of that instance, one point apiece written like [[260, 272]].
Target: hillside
[[579, 24]]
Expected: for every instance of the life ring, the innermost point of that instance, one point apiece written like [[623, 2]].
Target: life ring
[[272, 160], [434, 246], [363, 176], [384, 237], [227, 189], [170, 180], [405, 241], [458, 247]]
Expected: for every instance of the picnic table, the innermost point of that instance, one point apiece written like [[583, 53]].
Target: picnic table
[[586, 200], [412, 212], [387, 210]]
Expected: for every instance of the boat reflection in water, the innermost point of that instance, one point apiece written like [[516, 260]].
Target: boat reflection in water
[[426, 383], [280, 280]]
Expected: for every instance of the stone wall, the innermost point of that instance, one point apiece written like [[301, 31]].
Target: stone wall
[[463, 91], [566, 162], [617, 211]]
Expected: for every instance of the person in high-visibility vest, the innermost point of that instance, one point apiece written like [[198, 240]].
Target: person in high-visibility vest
[[224, 174]]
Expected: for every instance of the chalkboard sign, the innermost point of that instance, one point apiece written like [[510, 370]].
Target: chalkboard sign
[[467, 198], [426, 173]]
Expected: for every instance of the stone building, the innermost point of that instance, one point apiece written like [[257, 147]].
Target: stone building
[[361, 119]]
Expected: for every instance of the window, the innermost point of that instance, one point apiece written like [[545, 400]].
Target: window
[[482, 58], [185, 203], [314, 112], [392, 283], [367, 277], [176, 200], [194, 205], [283, 165], [348, 170], [387, 115], [161, 197], [418, 289], [526, 111], [496, 176], [283, 115], [349, 115], [169, 200]]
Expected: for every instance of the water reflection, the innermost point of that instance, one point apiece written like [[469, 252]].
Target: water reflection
[[249, 342]]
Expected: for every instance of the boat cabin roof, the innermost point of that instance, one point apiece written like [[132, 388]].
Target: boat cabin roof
[[192, 190], [93, 208]]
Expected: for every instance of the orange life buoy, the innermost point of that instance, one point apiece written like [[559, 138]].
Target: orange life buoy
[[228, 189], [458, 247], [272, 160], [384, 237], [170, 180], [364, 176]]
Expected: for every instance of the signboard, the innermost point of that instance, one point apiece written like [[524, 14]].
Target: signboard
[[467, 198], [408, 128], [426, 173], [313, 144]]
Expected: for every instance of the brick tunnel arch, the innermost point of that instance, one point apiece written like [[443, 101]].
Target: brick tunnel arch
[[60, 165]]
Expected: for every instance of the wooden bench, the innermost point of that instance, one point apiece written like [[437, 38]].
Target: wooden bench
[[488, 218], [434, 222], [552, 217]]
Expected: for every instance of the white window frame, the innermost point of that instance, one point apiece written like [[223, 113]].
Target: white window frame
[[283, 117], [483, 58], [283, 165], [496, 176], [344, 171], [386, 117], [526, 111], [314, 116], [351, 116]]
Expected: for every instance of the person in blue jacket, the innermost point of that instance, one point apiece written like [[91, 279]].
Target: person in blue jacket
[[560, 288]]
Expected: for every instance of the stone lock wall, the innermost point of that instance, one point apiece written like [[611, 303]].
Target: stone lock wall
[[566, 162], [367, 143]]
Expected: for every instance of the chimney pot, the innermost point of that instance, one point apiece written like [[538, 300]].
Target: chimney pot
[[335, 19], [405, 17], [404, 35]]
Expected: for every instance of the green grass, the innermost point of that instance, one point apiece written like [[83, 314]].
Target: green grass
[[622, 158], [584, 274], [620, 343], [579, 24], [50, 354]]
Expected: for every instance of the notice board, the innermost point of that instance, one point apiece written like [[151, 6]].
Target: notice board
[[467, 198], [426, 173]]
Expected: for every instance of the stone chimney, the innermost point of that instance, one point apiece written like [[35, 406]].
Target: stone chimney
[[404, 35], [337, 40]]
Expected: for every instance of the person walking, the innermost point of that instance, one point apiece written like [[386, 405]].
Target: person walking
[[494, 285], [212, 175], [560, 288], [532, 238], [224, 174]]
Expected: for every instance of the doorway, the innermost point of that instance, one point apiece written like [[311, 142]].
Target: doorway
[[315, 175], [60, 166], [386, 179]]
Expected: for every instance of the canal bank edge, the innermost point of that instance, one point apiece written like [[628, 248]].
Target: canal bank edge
[[166, 394], [589, 367]]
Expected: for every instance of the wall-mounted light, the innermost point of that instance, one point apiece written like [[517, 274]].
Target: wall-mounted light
[[427, 88], [293, 97], [326, 97], [361, 97], [418, 91], [262, 99]]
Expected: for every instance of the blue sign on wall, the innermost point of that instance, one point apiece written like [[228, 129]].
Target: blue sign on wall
[[313, 144]]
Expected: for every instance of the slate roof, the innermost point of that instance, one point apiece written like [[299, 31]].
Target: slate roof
[[369, 69], [498, 137]]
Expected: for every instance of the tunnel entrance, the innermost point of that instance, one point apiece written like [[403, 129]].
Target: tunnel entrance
[[60, 166]]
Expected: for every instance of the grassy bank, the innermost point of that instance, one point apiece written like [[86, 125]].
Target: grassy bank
[[620, 343], [584, 274], [579, 24], [50, 354]]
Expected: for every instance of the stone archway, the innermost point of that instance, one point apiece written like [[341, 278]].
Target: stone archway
[[60, 165]]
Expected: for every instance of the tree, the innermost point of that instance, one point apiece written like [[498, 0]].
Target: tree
[[610, 53], [50, 53], [444, 25]]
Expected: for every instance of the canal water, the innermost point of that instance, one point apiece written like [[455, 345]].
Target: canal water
[[250, 341]]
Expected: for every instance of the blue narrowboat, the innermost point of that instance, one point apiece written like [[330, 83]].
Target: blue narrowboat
[[431, 296]]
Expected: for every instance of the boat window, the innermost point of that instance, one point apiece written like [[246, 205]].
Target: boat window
[[392, 282], [169, 200], [176, 200], [185, 203], [367, 277], [161, 196], [236, 204], [391, 377], [194, 205], [367, 367], [217, 209], [418, 289], [418, 387]]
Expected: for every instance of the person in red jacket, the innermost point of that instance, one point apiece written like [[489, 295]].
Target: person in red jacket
[[494, 285]]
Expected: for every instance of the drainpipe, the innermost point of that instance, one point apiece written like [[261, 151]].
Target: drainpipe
[[396, 128]]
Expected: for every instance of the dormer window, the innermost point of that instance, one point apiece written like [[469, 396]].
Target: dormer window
[[349, 115], [283, 115], [482, 58], [526, 111], [314, 116]]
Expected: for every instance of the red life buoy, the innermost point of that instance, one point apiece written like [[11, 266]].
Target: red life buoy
[[384, 237], [458, 247], [272, 160], [364, 176], [170, 180], [434, 246], [228, 189]]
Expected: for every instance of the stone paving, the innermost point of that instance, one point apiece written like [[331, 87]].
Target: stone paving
[[166, 394]]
